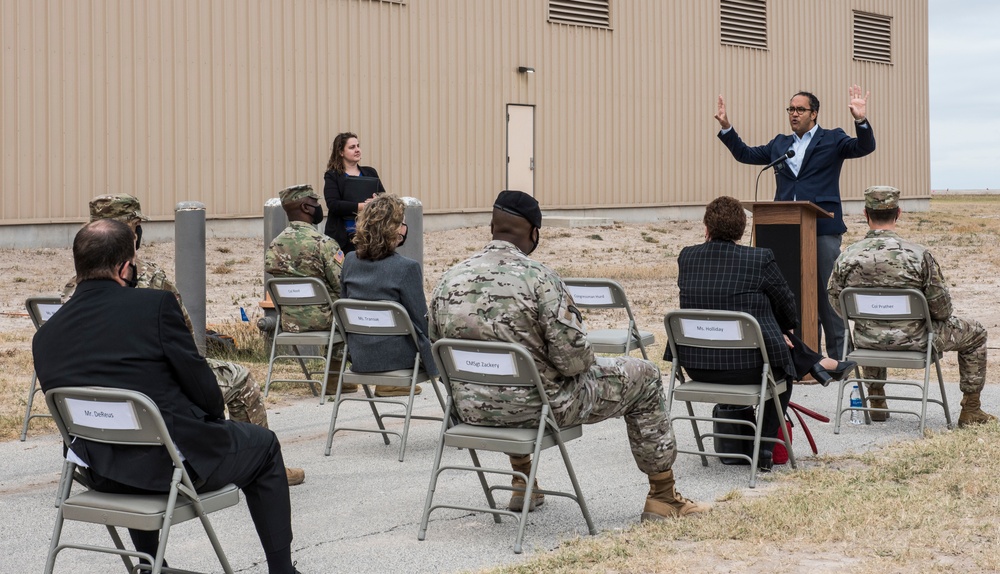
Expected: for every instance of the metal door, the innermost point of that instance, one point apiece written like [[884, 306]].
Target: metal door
[[521, 148]]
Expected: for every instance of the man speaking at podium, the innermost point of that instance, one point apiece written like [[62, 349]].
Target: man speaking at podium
[[811, 173]]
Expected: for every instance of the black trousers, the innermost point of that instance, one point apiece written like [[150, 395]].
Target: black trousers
[[803, 359], [255, 465]]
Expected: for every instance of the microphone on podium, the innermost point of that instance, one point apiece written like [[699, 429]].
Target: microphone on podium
[[788, 155]]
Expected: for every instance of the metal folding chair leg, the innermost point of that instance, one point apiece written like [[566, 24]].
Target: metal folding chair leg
[[33, 389]]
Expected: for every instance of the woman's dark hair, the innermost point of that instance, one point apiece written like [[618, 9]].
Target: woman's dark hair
[[336, 163], [725, 219], [378, 227], [100, 247]]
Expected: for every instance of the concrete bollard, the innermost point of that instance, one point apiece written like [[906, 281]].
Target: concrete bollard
[[275, 221], [413, 213], [189, 260]]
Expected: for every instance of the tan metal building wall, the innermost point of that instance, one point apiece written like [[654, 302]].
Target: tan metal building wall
[[227, 101]]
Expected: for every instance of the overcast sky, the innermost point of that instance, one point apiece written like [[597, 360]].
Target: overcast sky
[[965, 94]]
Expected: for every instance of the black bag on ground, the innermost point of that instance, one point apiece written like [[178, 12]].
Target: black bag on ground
[[730, 445]]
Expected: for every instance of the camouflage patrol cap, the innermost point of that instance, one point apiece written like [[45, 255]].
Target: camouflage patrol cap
[[120, 206], [296, 192], [519, 203], [881, 198]]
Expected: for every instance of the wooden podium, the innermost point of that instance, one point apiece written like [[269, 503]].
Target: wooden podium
[[788, 228]]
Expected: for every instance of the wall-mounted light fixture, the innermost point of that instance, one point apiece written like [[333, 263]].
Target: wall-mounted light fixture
[[525, 70]]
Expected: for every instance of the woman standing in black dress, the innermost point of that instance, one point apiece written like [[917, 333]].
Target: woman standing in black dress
[[345, 162]]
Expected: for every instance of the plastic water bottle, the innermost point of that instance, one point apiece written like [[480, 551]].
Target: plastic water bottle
[[855, 404]]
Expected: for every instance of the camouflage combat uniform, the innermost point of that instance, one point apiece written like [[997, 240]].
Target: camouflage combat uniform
[[883, 259], [240, 391], [301, 251], [500, 294]]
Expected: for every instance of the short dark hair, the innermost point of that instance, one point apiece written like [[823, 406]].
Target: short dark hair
[[100, 247], [813, 100], [882, 215], [725, 219]]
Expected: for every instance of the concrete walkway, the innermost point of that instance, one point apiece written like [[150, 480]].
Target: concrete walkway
[[359, 509]]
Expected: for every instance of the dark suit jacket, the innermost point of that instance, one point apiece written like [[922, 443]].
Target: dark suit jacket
[[819, 176], [339, 208], [395, 278], [112, 336], [725, 276]]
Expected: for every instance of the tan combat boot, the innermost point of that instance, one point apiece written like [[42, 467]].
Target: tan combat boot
[[295, 476], [390, 391], [665, 502], [523, 464], [875, 391], [333, 377], [971, 413]]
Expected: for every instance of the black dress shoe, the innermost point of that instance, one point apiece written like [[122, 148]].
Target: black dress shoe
[[820, 374], [843, 368], [765, 461]]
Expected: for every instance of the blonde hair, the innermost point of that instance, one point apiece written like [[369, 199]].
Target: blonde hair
[[378, 227]]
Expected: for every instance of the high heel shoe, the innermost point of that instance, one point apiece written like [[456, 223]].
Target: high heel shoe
[[843, 368], [820, 374]]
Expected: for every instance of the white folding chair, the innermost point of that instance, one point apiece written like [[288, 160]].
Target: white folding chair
[[380, 319], [709, 329], [288, 292], [115, 416], [608, 294], [494, 364], [872, 305], [39, 309]]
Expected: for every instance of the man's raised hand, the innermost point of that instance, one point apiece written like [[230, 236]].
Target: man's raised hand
[[858, 105], [721, 114]]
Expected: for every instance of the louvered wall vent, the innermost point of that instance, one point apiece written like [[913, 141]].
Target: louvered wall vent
[[595, 13], [872, 37], [744, 23]]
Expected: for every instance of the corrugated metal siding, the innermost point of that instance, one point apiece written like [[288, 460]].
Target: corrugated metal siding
[[227, 101]]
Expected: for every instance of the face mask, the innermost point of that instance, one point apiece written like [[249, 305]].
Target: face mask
[[402, 236], [317, 214], [138, 236], [534, 241], [133, 282]]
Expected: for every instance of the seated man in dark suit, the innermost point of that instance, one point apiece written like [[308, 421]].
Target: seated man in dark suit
[[721, 274], [109, 335]]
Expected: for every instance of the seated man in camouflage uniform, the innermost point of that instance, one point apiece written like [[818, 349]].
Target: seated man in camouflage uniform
[[240, 392], [302, 251], [500, 294], [884, 259]]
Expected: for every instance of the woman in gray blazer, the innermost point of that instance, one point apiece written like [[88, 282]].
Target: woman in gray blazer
[[375, 272]]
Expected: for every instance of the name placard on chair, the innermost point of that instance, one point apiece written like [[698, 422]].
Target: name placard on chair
[[370, 318], [107, 415], [882, 304], [295, 290], [586, 295], [712, 330], [46, 310], [484, 363]]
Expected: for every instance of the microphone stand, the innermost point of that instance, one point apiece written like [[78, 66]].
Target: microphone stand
[[757, 183]]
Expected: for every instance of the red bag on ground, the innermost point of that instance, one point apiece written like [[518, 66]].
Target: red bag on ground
[[780, 455]]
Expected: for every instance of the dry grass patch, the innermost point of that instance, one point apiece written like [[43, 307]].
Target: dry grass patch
[[927, 505]]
